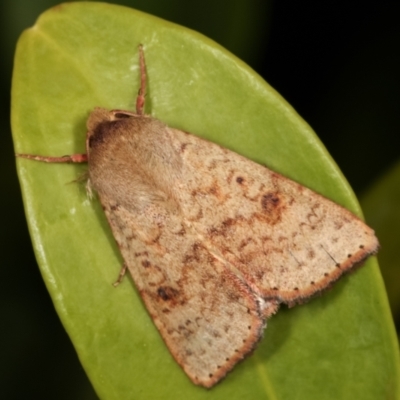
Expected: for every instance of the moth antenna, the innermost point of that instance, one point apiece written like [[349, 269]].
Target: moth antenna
[[142, 90], [73, 158]]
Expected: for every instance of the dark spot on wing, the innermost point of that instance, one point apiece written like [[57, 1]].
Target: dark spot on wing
[[146, 263], [167, 293]]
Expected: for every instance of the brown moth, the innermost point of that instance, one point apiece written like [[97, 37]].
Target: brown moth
[[214, 242]]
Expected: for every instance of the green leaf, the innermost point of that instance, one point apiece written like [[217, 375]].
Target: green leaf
[[381, 205], [81, 55]]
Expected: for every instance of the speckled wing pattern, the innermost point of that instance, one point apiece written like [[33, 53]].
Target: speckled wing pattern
[[242, 240], [208, 316], [287, 241]]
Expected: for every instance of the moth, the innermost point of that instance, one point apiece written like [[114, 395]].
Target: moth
[[214, 242]]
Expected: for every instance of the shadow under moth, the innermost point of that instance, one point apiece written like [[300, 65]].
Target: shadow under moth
[[214, 242]]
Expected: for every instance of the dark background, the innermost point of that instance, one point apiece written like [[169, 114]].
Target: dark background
[[337, 63]]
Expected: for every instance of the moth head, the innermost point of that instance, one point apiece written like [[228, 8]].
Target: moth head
[[100, 117]]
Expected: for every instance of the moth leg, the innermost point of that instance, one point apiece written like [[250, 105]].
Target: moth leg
[[73, 158], [140, 100], [121, 275]]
